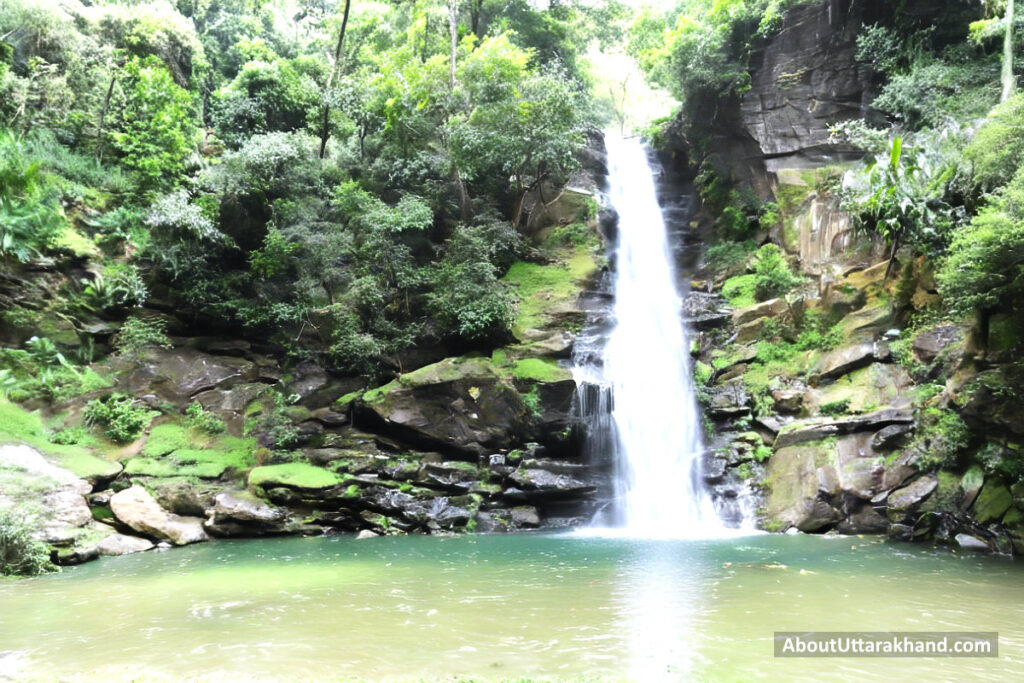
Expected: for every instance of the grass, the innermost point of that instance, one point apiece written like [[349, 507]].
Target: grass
[[173, 449], [540, 370], [295, 474], [19, 425], [544, 290], [739, 290]]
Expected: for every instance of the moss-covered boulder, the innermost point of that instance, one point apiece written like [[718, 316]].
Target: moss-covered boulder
[[793, 482], [295, 475], [992, 502], [465, 404]]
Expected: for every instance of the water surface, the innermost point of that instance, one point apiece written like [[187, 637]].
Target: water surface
[[502, 606]]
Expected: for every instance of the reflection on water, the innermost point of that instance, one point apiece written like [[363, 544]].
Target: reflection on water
[[658, 596], [504, 606]]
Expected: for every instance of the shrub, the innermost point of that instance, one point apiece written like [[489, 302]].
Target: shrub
[[774, 278], [199, 418], [20, 553], [137, 334], [998, 147], [836, 408], [532, 401], [120, 417], [730, 257]]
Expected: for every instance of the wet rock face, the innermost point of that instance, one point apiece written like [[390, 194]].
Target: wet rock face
[[805, 79]]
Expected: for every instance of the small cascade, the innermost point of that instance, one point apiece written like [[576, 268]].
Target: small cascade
[[633, 370]]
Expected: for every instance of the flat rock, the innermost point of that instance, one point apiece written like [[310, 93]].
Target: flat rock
[[242, 506], [913, 493], [972, 543], [135, 507], [847, 359], [766, 309], [122, 544], [817, 429]]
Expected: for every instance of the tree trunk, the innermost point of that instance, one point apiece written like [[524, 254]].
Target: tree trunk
[[892, 256], [103, 116], [325, 129], [453, 29], [475, 9], [1009, 82]]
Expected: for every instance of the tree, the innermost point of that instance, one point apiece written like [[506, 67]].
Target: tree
[[154, 131], [521, 125], [1009, 80], [328, 94], [984, 268]]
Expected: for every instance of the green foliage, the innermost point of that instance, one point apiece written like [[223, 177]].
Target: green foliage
[[984, 267], [772, 275], [267, 96], [532, 401], [903, 194], [927, 87], [30, 216], [119, 285], [836, 408], [153, 129], [730, 257], [468, 297], [939, 438], [41, 371], [273, 423], [137, 334], [21, 554], [121, 418], [739, 290], [203, 420], [996, 150]]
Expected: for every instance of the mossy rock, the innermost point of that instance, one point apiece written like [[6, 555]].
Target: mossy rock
[[18, 425], [992, 502], [548, 293], [295, 475]]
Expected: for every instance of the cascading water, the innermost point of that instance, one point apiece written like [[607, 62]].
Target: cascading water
[[639, 394]]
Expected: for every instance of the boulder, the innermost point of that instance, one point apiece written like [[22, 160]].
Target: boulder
[[538, 484], [931, 342], [794, 499], [135, 507], [525, 516], [703, 311], [365, 534], [241, 511], [751, 331], [891, 437], [909, 498], [863, 520], [121, 544], [471, 405], [816, 429], [972, 543], [728, 400], [52, 497], [847, 359], [992, 502], [177, 375], [767, 309]]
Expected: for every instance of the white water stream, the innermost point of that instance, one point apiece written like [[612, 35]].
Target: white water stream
[[654, 419]]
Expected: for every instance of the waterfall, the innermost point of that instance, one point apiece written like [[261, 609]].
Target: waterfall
[[637, 390]]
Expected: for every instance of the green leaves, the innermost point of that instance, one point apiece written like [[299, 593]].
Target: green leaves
[[153, 131]]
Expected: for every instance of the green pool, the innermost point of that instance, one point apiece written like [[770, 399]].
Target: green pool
[[497, 607]]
